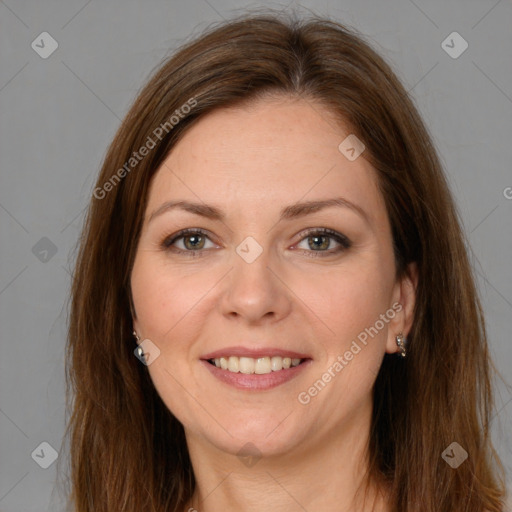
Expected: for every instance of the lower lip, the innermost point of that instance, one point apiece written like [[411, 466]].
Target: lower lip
[[255, 381]]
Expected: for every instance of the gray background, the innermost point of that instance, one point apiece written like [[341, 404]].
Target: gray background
[[59, 114]]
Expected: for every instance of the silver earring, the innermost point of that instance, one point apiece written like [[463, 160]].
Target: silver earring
[[140, 351], [400, 341]]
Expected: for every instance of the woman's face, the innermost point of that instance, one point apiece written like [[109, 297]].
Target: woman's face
[[265, 284]]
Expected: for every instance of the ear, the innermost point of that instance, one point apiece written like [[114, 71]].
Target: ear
[[404, 299]]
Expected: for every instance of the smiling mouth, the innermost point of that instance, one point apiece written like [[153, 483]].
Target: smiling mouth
[[258, 366]]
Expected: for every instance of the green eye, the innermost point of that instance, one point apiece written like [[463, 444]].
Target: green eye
[[195, 239], [319, 241]]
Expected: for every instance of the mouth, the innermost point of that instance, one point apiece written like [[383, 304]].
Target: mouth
[[255, 365], [255, 368]]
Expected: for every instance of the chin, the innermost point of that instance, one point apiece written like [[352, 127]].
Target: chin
[[265, 438]]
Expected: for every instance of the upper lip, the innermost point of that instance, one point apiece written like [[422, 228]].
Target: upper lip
[[255, 353]]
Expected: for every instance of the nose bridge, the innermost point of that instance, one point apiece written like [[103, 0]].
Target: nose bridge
[[253, 290]]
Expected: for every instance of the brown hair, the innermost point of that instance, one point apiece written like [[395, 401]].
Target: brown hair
[[127, 450]]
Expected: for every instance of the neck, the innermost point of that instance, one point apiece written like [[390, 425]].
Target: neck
[[321, 475]]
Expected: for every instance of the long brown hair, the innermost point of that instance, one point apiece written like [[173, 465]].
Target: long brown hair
[[127, 450]]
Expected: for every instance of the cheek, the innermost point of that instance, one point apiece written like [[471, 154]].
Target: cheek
[[155, 306], [347, 299], [167, 299], [350, 303]]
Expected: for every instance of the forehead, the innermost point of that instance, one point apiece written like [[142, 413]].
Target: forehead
[[264, 155]]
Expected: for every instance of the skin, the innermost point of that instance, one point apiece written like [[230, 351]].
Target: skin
[[250, 162]]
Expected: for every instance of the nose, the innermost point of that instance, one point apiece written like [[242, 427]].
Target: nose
[[256, 292]]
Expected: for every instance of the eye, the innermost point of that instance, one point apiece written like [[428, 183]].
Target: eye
[[320, 241], [194, 240]]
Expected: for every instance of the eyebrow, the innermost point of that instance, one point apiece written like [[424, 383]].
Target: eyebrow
[[287, 213]]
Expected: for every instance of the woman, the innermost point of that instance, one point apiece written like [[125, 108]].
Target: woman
[[217, 360]]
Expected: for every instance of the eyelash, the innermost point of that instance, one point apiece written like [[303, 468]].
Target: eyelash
[[344, 242]]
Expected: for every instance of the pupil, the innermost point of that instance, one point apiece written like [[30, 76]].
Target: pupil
[[195, 244], [316, 239]]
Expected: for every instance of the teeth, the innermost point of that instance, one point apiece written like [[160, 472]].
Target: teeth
[[259, 366], [233, 364], [276, 363], [262, 365], [247, 365]]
